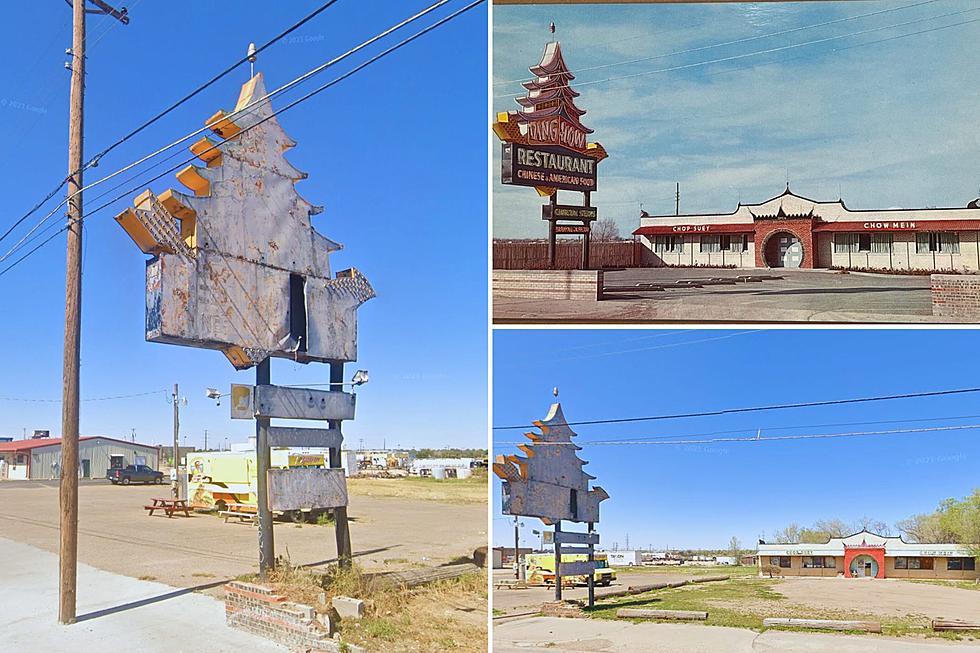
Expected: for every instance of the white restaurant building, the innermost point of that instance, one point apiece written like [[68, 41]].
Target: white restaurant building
[[869, 555], [793, 231]]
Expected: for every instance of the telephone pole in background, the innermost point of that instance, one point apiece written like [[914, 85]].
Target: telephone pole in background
[[205, 439], [68, 493], [677, 199], [174, 474]]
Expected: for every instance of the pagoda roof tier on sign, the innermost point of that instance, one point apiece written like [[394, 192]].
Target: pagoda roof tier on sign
[[238, 265], [548, 482]]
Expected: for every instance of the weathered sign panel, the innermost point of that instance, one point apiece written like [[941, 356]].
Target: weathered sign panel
[[553, 167], [571, 229], [565, 537], [303, 403], [549, 482], [283, 436], [584, 568], [242, 401], [220, 278], [568, 212], [306, 488]]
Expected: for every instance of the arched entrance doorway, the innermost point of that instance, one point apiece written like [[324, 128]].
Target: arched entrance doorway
[[783, 250], [864, 566]]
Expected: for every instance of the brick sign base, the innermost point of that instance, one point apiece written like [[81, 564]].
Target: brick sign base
[[583, 285], [956, 296], [260, 611]]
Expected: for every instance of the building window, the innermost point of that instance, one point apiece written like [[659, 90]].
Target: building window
[[881, 243], [735, 243], [780, 561], [845, 243], [961, 564], [668, 244], [864, 242], [913, 563], [817, 562], [937, 241], [710, 243]]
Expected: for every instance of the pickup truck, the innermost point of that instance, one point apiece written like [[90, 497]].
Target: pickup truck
[[131, 473]]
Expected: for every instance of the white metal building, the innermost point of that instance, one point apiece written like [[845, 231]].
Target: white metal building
[[40, 458]]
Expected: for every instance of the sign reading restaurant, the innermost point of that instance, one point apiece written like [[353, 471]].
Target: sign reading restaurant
[[546, 167]]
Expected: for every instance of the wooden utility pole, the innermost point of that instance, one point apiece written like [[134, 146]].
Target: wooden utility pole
[[68, 493], [267, 543], [175, 467]]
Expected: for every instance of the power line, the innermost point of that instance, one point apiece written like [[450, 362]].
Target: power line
[[761, 52], [94, 161], [776, 438], [736, 41], [109, 398], [756, 409], [274, 113], [249, 108]]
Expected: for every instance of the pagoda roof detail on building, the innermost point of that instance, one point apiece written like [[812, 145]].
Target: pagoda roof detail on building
[[550, 93], [894, 545], [791, 206]]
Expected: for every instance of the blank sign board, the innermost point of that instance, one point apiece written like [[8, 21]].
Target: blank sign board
[[303, 489], [302, 403]]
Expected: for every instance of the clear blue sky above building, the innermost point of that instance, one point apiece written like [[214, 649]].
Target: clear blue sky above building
[[396, 154], [878, 108], [700, 495]]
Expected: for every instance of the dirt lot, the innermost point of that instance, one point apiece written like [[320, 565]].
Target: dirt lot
[[800, 296], [116, 534], [887, 598], [512, 602]]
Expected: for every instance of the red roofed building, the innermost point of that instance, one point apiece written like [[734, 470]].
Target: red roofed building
[[40, 458], [793, 231]]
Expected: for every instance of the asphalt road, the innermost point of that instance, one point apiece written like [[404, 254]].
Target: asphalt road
[[800, 296]]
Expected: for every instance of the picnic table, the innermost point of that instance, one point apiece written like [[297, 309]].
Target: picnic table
[[243, 511], [169, 506]]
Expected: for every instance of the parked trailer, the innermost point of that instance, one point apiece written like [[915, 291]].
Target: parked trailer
[[624, 558]]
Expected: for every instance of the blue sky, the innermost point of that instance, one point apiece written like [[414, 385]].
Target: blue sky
[[410, 218], [892, 124], [700, 495]]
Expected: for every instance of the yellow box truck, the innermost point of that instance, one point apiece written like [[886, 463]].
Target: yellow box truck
[[541, 569]]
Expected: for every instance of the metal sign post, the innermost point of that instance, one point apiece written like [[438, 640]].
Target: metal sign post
[[558, 560]]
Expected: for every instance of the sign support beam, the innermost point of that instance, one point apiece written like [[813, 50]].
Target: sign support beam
[[267, 546], [341, 526], [591, 564], [557, 561], [551, 233]]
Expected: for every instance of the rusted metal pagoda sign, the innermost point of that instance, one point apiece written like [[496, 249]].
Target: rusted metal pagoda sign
[[237, 266], [548, 482], [545, 145]]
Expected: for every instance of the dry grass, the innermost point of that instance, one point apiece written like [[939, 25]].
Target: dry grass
[[464, 491], [442, 616]]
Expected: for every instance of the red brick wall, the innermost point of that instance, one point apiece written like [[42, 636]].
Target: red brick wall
[[260, 611], [802, 229], [956, 296]]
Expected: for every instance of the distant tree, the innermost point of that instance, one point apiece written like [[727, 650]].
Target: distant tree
[[605, 229], [735, 547], [834, 527], [789, 535], [926, 528], [873, 526]]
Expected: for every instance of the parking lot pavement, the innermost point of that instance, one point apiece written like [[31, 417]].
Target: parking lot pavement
[[602, 636], [800, 296], [115, 612]]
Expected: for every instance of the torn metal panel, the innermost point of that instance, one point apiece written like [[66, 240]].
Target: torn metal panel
[[566, 537], [584, 568], [302, 403], [548, 482], [282, 436], [307, 488], [226, 252]]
